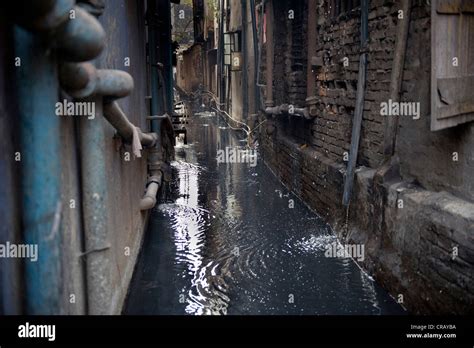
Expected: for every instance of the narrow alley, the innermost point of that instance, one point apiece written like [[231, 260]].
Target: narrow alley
[[231, 239], [278, 169]]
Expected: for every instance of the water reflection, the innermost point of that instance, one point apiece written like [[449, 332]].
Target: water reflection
[[232, 240]]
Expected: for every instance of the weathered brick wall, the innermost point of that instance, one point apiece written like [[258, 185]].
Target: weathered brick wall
[[280, 81], [336, 84], [336, 87], [189, 74], [296, 54], [408, 250], [329, 133], [316, 179]]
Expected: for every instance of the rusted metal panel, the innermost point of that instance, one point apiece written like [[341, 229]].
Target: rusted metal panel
[[452, 66], [124, 25]]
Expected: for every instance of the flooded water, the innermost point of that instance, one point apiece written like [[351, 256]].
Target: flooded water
[[230, 239]]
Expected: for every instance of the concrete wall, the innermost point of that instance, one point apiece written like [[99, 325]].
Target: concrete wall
[[189, 70], [409, 218]]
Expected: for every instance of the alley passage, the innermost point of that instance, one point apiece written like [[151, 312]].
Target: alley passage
[[225, 241]]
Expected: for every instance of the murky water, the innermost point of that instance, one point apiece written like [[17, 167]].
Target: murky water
[[230, 239]]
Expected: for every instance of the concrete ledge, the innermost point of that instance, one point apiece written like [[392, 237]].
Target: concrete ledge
[[419, 244], [410, 234]]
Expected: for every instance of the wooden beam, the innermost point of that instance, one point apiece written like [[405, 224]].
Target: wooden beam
[[391, 123], [359, 109]]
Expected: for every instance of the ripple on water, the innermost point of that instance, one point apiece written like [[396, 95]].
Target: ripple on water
[[235, 247]]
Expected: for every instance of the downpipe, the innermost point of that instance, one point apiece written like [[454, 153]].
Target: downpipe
[[127, 131], [48, 27], [37, 90], [287, 109], [76, 34], [83, 80], [161, 104], [153, 185]]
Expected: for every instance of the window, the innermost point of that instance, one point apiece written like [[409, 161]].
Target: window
[[232, 44], [452, 63]]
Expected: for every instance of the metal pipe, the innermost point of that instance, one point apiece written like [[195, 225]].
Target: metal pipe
[[260, 44], [116, 117], [77, 34], [82, 80], [95, 213], [256, 57], [221, 69], [81, 38], [113, 84], [269, 53], [311, 100], [287, 109], [244, 75], [38, 89], [312, 35], [168, 63], [157, 103], [149, 199], [41, 15]]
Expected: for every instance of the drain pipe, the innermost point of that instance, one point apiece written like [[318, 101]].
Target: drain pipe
[[221, 69], [157, 107], [83, 80], [94, 207], [127, 131], [287, 109], [149, 199], [78, 39], [269, 53], [37, 91], [244, 75], [256, 56], [311, 99]]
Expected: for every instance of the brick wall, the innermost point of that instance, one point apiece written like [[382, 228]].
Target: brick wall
[[408, 250], [336, 84]]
